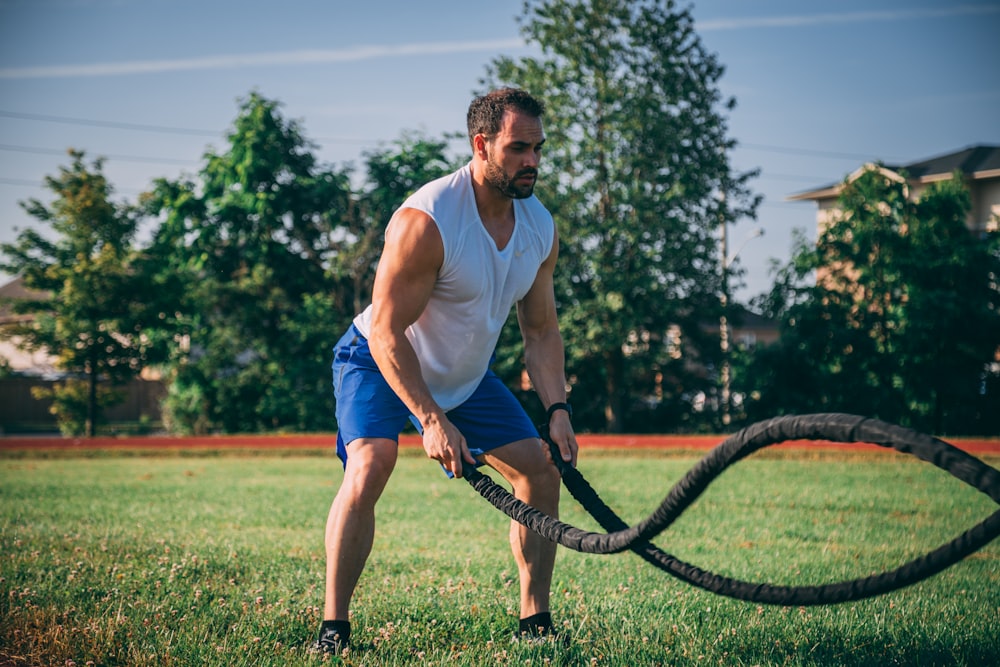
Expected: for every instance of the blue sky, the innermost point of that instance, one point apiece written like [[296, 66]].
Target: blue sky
[[150, 84]]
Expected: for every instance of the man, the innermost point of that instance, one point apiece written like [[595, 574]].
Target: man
[[458, 254]]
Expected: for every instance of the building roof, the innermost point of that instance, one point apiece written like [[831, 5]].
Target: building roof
[[16, 290], [976, 162], [970, 161]]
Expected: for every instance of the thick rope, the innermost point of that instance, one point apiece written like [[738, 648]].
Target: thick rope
[[831, 427]]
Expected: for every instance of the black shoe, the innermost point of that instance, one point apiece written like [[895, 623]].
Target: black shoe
[[537, 629], [330, 642], [535, 638]]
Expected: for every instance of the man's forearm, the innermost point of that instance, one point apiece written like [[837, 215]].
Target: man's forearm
[[398, 363], [545, 361]]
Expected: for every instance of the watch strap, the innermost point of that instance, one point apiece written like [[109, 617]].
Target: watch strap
[[558, 406]]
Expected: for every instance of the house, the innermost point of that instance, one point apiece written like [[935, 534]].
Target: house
[[22, 362], [979, 166], [20, 410], [980, 169]]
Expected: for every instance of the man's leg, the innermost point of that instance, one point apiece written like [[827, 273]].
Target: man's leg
[[350, 528], [534, 480]]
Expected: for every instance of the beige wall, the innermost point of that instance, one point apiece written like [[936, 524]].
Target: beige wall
[[984, 195], [985, 205]]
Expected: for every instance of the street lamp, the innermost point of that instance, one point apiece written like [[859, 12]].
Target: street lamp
[[724, 372]]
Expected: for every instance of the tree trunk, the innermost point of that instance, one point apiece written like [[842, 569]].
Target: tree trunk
[[614, 371], [92, 401]]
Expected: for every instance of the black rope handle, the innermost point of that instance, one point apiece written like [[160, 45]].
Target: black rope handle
[[832, 427]]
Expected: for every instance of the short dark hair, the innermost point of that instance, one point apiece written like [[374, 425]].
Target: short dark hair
[[486, 111]]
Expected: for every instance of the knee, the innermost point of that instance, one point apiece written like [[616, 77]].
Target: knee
[[543, 478], [550, 477], [367, 473]]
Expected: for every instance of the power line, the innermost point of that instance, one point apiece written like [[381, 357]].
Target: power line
[[141, 127], [764, 175], [108, 123], [123, 158], [791, 177], [21, 181], [810, 152]]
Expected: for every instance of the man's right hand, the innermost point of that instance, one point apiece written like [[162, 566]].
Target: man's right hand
[[445, 444]]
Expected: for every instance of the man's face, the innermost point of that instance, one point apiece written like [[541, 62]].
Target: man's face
[[513, 155]]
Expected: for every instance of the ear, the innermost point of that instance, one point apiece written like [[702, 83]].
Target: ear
[[479, 146]]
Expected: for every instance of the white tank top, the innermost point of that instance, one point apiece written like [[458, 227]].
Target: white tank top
[[476, 286]]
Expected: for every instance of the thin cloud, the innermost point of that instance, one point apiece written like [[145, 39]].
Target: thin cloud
[[848, 17], [237, 61], [371, 52]]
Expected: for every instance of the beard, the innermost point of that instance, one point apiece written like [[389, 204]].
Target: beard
[[507, 185]]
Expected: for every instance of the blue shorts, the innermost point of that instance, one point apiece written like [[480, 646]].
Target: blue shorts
[[368, 408]]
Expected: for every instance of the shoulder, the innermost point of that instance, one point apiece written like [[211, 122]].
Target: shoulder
[[539, 222], [534, 211], [412, 230], [429, 195]]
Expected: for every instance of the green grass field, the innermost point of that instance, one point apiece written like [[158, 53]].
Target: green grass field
[[218, 560]]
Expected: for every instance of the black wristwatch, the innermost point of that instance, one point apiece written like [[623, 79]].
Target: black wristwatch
[[559, 406]]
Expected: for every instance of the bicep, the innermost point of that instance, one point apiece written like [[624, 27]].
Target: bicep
[[537, 310], [407, 270]]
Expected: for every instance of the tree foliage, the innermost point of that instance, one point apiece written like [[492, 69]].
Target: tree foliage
[[639, 180], [894, 313], [242, 253], [392, 173], [92, 324], [263, 261]]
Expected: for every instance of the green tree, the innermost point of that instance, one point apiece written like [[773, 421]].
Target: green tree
[[91, 323], [639, 182], [392, 173], [248, 247], [893, 313]]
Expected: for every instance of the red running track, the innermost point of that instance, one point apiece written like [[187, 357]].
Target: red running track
[[975, 446]]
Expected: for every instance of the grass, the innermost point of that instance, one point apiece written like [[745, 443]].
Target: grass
[[218, 560]]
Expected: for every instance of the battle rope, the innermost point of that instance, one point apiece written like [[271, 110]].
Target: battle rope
[[830, 427]]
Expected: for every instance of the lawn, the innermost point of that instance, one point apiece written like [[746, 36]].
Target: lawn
[[177, 559]]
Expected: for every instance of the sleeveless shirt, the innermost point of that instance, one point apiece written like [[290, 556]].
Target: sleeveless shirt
[[476, 287]]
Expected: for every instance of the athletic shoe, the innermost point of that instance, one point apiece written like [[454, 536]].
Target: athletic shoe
[[329, 642], [541, 635]]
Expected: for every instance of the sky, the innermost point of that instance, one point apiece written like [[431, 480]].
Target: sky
[[820, 87]]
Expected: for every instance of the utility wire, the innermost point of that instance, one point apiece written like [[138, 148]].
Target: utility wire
[[790, 150], [20, 181], [764, 175], [141, 127], [108, 123], [123, 158], [166, 160], [810, 152]]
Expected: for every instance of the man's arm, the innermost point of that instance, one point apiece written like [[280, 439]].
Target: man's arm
[[404, 281], [544, 354]]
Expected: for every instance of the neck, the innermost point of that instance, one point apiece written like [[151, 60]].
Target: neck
[[492, 204], [496, 210]]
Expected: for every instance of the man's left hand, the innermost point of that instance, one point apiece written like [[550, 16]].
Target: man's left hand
[[561, 433]]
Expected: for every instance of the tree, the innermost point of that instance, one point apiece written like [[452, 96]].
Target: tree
[[91, 323], [894, 313], [392, 174], [247, 249], [259, 261], [640, 183]]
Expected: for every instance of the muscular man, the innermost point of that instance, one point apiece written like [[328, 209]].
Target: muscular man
[[459, 253]]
